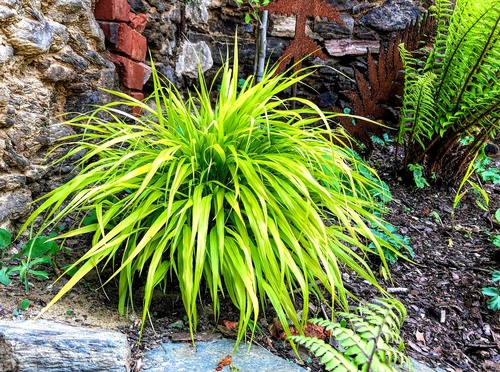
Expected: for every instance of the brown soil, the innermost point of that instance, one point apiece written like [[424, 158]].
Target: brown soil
[[448, 323]]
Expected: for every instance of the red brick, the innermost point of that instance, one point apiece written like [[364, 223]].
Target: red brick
[[122, 38], [132, 43], [112, 10], [137, 110], [131, 73], [138, 22], [137, 95], [110, 30]]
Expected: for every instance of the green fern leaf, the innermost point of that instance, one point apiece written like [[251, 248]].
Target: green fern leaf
[[368, 340], [335, 359]]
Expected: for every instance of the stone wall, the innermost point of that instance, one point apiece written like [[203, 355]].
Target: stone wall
[[50, 62], [176, 32], [54, 57]]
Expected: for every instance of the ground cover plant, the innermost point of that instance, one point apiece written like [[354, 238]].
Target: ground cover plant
[[232, 196], [33, 259]]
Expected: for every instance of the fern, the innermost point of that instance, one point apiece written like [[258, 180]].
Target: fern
[[381, 90], [455, 92], [417, 116], [441, 11], [367, 340]]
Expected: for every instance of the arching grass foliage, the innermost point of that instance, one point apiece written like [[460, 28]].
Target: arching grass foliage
[[231, 195]]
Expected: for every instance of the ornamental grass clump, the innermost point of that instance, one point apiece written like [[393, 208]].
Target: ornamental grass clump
[[231, 195]]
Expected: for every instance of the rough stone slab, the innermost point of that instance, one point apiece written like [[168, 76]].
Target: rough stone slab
[[48, 347], [392, 15], [344, 47], [282, 25], [182, 357], [191, 56], [30, 37]]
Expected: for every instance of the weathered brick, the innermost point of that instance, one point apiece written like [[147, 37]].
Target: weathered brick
[[132, 43], [110, 30], [138, 22], [122, 38], [131, 73], [112, 10], [136, 111]]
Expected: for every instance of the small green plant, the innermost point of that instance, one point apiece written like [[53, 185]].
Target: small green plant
[[437, 218], [494, 301], [418, 175], [229, 193], [366, 340], [484, 171], [382, 141], [39, 251], [22, 307], [255, 6], [496, 238], [29, 268], [396, 240], [5, 240]]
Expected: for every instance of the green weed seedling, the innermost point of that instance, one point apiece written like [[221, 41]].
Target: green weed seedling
[[382, 141], [493, 292], [22, 307], [484, 171], [494, 301], [418, 175], [255, 5], [37, 252], [5, 239], [437, 218]]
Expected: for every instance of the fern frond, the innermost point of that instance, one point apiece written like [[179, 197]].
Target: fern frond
[[456, 92], [418, 111], [331, 358], [471, 64], [367, 339], [441, 11]]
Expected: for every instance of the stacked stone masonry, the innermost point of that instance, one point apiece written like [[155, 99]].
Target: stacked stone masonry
[[51, 62], [56, 55]]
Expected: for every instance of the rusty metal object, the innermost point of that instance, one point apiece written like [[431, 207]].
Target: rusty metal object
[[302, 45]]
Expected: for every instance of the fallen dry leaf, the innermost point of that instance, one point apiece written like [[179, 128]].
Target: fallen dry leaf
[[420, 336], [275, 328], [293, 331], [226, 332], [269, 342], [313, 330], [230, 325], [226, 361]]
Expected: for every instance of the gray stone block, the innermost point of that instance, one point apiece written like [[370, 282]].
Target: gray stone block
[[183, 357], [49, 347]]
